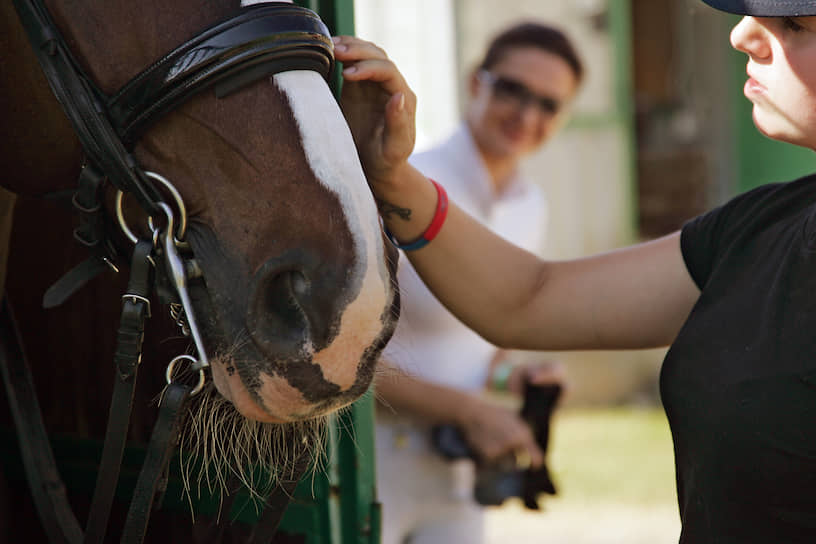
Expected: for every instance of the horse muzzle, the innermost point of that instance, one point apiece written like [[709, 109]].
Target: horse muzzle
[[315, 331]]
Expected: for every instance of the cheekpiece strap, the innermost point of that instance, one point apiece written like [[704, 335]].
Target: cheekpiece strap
[[135, 310], [91, 233], [84, 105], [259, 41]]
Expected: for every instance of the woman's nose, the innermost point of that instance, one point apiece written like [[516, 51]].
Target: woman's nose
[[750, 37]]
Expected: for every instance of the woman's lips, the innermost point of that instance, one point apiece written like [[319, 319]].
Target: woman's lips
[[753, 87]]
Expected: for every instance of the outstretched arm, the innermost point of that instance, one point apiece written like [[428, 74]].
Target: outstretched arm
[[492, 431], [629, 298]]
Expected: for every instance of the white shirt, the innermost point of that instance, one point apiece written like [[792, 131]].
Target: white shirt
[[429, 342]]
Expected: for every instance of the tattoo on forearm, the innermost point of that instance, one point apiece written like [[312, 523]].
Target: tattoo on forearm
[[388, 210]]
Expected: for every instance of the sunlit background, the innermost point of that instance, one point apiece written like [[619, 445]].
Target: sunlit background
[[660, 132]]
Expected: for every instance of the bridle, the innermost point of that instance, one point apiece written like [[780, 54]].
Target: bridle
[[257, 42]]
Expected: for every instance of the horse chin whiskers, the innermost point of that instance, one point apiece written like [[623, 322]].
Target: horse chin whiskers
[[219, 448]]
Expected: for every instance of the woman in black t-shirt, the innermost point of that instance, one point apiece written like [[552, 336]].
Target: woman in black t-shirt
[[733, 293]]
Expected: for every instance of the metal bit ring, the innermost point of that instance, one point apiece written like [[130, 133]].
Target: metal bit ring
[[202, 378], [181, 231]]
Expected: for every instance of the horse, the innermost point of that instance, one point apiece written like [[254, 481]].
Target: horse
[[249, 213]]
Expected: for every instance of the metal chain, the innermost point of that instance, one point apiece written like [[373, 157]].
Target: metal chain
[[177, 314]]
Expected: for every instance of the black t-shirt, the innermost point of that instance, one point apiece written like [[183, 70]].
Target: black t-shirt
[[739, 382]]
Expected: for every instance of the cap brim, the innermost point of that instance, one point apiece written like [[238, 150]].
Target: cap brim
[[766, 8]]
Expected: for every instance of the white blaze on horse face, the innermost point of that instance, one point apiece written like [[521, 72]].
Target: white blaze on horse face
[[332, 155]]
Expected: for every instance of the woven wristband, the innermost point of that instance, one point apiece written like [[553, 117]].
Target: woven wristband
[[433, 229]]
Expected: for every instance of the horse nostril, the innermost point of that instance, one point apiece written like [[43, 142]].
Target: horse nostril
[[293, 304], [300, 286], [290, 304], [276, 316]]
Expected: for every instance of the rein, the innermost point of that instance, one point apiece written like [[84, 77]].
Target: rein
[[257, 42]]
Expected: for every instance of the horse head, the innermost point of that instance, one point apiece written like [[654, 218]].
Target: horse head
[[296, 296]]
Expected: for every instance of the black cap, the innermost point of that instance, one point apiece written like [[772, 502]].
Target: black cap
[[766, 8]]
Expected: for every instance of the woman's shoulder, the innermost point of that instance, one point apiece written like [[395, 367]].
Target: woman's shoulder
[[746, 219], [768, 200]]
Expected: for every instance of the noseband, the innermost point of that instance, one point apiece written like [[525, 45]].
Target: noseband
[[257, 42]]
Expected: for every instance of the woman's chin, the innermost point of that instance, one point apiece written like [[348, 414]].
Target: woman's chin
[[775, 127]]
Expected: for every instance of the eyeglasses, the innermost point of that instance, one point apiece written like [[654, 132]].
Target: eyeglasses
[[517, 93]]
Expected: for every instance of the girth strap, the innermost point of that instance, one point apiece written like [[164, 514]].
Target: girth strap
[[47, 488], [135, 310]]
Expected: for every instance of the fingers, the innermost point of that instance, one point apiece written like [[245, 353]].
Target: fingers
[[546, 373], [521, 444], [379, 106], [496, 433], [364, 61], [351, 48], [528, 449]]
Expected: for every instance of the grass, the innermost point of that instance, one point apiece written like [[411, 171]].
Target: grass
[[614, 470], [621, 455]]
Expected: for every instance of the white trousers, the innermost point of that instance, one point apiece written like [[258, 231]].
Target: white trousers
[[425, 498]]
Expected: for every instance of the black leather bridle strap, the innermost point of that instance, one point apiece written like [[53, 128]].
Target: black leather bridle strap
[[162, 443], [91, 233], [47, 488], [135, 310], [258, 41], [84, 106]]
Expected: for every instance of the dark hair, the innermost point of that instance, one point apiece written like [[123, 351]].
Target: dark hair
[[530, 34]]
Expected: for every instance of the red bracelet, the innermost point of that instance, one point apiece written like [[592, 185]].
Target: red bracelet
[[433, 229]]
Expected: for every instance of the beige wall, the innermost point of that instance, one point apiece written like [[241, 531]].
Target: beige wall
[[419, 36], [585, 171]]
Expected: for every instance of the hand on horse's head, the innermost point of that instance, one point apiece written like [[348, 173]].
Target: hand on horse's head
[[379, 107]]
